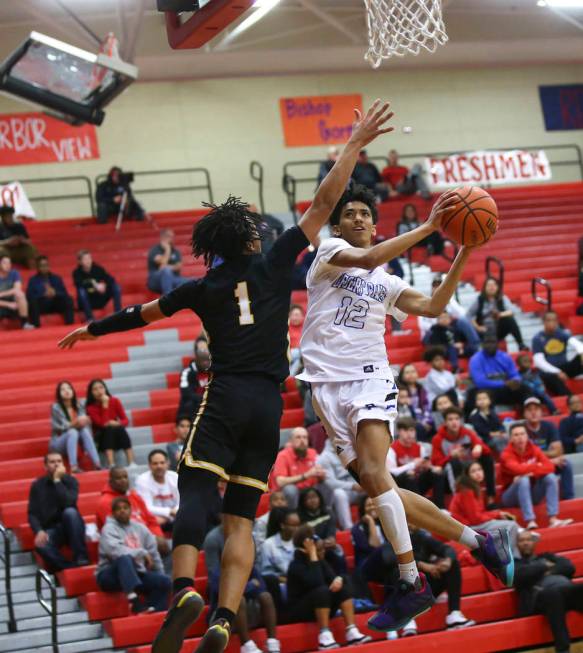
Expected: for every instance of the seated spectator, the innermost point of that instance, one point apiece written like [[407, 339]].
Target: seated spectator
[[164, 265], [13, 302], [54, 517], [439, 380], [296, 324], [491, 313], [114, 194], [533, 381], [158, 487], [70, 427], [95, 287], [405, 409], [454, 446], [485, 421], [276, 500], [296, 468], [118, 485], [468, 506], [346, 491], [442, 334], [174, 449], [374, 558], [571, 427], [527, 476], [194, 380], [419, 401], [545, 435], [129, 561], [402, 181], [313, 512], [316, 591], [271, 228], [14, 239], [366, 174], [410, 468], [494, 370], [46, 293], [109, 421], [544, 586], [433, 243], [549, 347], [328, 164]]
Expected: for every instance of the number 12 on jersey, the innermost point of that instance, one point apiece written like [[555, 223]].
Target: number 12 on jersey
[[352, 314], [242, 295]]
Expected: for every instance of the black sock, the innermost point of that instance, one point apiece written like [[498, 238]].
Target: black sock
[[180, 583], [226, 614]]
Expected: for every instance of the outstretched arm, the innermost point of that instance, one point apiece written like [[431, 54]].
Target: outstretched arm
[[364, 131]]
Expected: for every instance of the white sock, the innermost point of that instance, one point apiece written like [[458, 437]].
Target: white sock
[[393, 520], [408, 571], [469, 538]]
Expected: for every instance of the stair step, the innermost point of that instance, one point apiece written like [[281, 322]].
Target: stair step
[[33, 640], [28, 625], [34, 609], [25, 594], [98, 645]]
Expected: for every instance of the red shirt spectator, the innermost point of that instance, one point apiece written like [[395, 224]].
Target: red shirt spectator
[[101, 415], [403, 454], [532, 460], [444, 443], [297, 459], [394, 175], [296, 324], [470, 509]]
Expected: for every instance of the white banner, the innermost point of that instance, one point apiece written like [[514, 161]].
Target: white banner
[[491, 167], [13, 194]]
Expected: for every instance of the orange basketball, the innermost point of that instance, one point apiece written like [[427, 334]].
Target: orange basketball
[[474, 219]]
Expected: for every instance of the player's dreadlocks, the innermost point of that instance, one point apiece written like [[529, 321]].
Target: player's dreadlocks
[[225, 230], [355, 193]]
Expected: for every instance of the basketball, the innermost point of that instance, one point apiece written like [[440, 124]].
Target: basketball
[[474, 219]]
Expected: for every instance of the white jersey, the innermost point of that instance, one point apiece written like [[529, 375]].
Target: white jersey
[[343, 336]]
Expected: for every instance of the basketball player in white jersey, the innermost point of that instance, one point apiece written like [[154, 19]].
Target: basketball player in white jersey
[[355, 395]]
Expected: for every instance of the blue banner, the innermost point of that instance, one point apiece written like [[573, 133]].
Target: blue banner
[[562, 106]]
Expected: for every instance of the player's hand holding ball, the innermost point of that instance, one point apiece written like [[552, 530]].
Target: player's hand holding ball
[[472, 219]]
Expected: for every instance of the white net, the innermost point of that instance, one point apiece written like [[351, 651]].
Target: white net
[[400, 27]]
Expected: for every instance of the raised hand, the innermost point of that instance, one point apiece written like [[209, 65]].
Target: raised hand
[[71, 338], [365, 130]]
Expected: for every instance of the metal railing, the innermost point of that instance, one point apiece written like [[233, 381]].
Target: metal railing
[[50, 608], [546, 301], [6, 559], [490, 262], [256, 172]]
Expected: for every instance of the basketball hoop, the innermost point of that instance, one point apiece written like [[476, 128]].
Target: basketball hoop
[[400, 27]]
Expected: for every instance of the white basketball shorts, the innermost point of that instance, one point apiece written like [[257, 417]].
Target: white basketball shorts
[[341, 406]]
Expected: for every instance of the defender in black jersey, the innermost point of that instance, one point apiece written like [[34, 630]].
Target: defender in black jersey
[[243, 302]]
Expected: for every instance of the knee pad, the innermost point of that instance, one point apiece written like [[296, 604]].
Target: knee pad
[[394, 520]]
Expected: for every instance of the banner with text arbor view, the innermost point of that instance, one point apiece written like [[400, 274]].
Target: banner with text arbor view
[[487, 168]]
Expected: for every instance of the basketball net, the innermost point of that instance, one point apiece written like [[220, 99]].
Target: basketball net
[[400, 27]]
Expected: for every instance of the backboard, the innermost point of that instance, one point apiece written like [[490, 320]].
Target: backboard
[[71, 83]]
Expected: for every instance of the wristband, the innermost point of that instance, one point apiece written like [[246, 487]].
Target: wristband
[[124, 320]]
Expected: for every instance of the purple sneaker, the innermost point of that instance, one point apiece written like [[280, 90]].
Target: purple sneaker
[[402, 604], [495, 554]]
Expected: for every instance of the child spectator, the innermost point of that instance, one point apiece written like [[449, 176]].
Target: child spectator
[[13, 302], [46, 293], [442, 334], [109, 422], [532, 380], [129, 561], [174, 449], [410, 468], [439, 381], [486, 422], [440, 404], [70, 427], [409, 378], [95, 287]]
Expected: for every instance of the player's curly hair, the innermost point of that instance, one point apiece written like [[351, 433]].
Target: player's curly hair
[[355, 193], [225, 230]]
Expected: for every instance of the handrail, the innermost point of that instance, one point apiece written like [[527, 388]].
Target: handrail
[[545, 301], [256, 172], [289, 184], [489, 273], [55, 181], [50, 609], [6, 559]]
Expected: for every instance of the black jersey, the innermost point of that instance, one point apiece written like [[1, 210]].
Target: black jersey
[[244, 305]]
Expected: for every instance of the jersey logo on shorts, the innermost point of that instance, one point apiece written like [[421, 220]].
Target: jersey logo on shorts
[[368, 369], [370, 406]]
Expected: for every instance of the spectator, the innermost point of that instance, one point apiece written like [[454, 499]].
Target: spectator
[[527, 476], [95, 287], [571, 427], [313, 512], [315, 591], [276, 500], [271, 228], [411, 469], [13, 302], [485, 421], [533, 381], [439, 381], [434, 243], [300, 269], [374, 558], [328, 164], [419, 401], [440, 404], [402, 181], [296, 468], [442, 334], [164, 265], [194, 380], [366, 174], [494, 370], [129, 561], [114, 195], [549, 347], [158, 487], [491, 313], [545, 435], [46, 293], [468, 506], [296, 324], [544, 586], [109, 422], [70, 427], [454, 446], [174, 449], [346, 491], [404, 409], [14, 239], [54, 517]]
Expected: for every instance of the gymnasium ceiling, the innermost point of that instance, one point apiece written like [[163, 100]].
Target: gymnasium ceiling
[[304, 36]]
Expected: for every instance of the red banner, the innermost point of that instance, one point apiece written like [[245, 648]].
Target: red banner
[[35, 138], [318, 120]]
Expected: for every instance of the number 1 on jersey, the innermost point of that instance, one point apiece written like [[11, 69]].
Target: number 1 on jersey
[[242, 295]]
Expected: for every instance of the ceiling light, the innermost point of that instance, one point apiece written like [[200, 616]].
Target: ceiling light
[[262, 8], [561, 4]]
